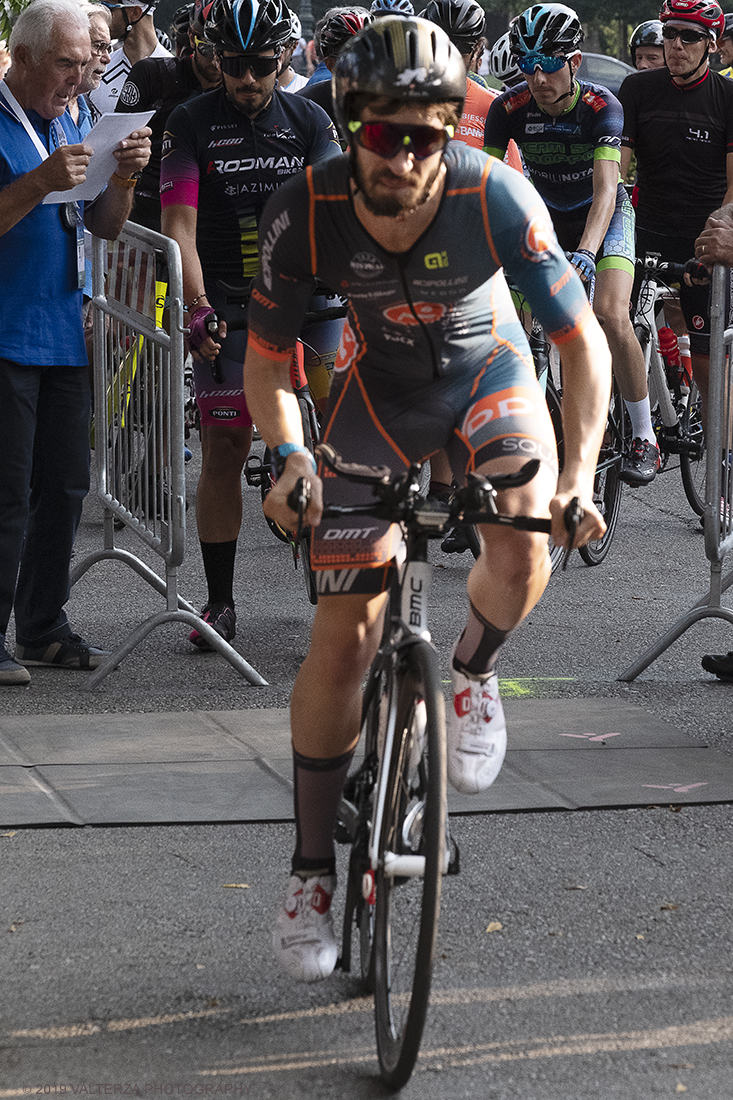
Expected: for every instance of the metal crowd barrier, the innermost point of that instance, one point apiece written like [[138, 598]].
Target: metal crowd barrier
[[719, 479], [138, 431]]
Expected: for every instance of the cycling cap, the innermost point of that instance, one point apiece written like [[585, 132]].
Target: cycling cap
[[398, 58], [464, 21], [391, 7], [646, 34], [502, 64], [245, 26], [547, 29], [201, 10], [706, 13], [336, 27]]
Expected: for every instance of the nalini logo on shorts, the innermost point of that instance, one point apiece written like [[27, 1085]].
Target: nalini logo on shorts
[[436, 259], [366, 265], [224, 414]]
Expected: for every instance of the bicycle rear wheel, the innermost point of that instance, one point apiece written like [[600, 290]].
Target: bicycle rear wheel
[[608, 487], [412, 837], [693, 469]]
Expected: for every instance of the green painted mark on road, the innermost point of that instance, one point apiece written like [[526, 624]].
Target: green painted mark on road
[[525, 685]]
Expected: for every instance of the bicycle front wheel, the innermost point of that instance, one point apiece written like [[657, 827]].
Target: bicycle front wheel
[[411, 862], [607, 487], [694, 468]]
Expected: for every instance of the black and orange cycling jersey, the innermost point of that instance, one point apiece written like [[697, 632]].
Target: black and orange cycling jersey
[[433, 355]]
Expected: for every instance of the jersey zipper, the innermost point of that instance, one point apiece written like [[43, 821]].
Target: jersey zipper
[[403, 279]]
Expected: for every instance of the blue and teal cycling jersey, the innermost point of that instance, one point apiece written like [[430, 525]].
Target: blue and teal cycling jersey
[[440, 308], [559, 152]]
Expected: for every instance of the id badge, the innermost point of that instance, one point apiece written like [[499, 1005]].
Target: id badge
[[81, 265]]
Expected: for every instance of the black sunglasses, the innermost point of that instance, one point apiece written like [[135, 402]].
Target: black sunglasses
[[685, 34], [387, 138], [238, 65]]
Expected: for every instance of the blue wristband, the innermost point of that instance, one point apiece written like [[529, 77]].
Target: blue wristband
[[279, 456]]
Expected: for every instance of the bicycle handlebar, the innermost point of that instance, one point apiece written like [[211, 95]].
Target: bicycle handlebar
[[653, 264]]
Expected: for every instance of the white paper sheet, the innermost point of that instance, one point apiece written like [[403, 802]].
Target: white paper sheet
[[103, 138]]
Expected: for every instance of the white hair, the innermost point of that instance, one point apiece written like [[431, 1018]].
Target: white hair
[[34, 27], [91, 9]]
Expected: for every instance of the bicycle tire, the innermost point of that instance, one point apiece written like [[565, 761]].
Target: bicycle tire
[[554, 406], [311, 436], [608, 486], [407, 909], [694, 470]]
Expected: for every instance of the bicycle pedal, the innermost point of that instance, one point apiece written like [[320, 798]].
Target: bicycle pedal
[[254, 471]]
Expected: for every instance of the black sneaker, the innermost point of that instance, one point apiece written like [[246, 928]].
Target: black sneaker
[[720, 664], [455, 541], [641, 465], [223, 619], [71, 651]]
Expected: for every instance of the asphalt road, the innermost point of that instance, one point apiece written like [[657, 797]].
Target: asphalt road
[[128, 961]]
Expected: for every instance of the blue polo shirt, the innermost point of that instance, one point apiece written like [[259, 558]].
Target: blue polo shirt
[[41, 303]]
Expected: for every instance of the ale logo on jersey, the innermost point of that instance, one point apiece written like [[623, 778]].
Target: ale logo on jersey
[[425, 313], [366, 265], [436, 259]]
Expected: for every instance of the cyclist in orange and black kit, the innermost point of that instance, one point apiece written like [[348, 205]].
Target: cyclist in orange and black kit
[[678, 121], [416, 229]]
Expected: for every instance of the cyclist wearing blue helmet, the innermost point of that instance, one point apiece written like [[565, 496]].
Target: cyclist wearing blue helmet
[[391, 7], [569, 133]]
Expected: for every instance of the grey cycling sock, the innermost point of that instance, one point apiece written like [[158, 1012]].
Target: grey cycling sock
[[317, 793], [478, 646]]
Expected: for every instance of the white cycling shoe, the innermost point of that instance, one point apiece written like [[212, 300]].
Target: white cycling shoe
[[303, 938], [476, 733]]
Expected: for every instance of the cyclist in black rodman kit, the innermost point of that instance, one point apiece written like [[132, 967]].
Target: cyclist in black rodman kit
[[224, 153]]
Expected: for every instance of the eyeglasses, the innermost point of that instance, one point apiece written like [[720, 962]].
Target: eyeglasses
[[206, 49], [685, 34], [239, 65], [98, 48], [386, 139], [531, 61]]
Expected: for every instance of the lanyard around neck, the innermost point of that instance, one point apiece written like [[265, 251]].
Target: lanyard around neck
[[22, 117]]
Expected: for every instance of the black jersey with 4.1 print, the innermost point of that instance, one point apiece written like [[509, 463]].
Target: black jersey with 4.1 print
[[681, 138]]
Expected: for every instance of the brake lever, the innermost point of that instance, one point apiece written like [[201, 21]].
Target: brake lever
[[298, 500], [573, 517]]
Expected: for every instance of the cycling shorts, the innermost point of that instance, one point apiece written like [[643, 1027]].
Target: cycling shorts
[[618, 249], [499, 411]]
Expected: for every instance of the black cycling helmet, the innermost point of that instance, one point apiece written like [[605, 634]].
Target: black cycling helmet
[[245, 26], [646, 34], [180, 23], [336, 27], [391, 7], [464, 21], [548, 29], [398, 58], [727, 31], [201, 9]]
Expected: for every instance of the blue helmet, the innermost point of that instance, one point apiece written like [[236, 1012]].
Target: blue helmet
[[391, 7], [548, 29]]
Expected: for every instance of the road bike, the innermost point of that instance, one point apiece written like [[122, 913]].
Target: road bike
[[675, 400], [393, 811]]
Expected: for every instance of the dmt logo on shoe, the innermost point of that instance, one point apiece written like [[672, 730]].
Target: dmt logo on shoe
[[486, 705]]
